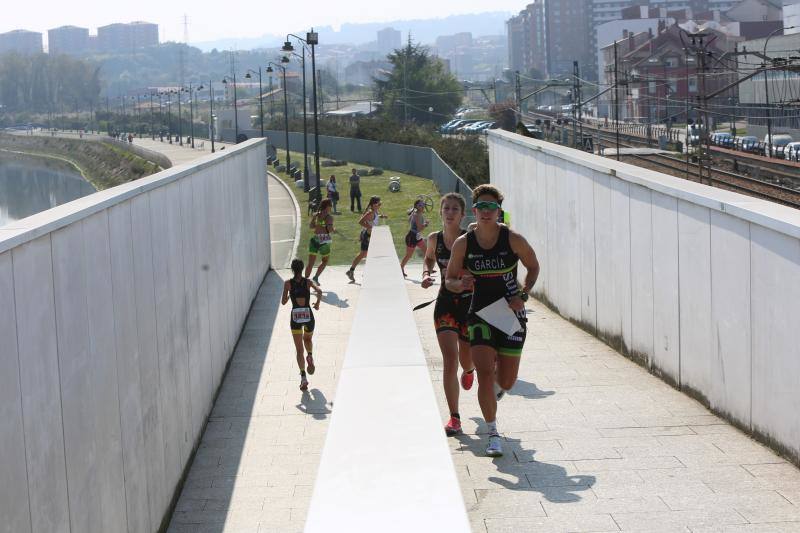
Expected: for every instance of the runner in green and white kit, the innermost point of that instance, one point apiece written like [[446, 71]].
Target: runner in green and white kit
[[485, 260], [320, 242]]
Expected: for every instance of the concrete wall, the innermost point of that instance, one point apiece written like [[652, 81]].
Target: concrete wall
[[400, 478], [699, 284], [118, 313]]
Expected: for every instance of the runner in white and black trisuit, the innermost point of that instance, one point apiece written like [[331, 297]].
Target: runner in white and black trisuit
[[450, 313], [302, 323], [484, 260]]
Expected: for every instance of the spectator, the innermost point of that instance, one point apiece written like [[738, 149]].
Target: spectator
[[333, 194], [355, 190]]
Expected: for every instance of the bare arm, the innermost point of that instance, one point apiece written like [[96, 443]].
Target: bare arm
[[456, 280], [528, 257], [285, 295], [318, 292], [364, 218], [429, 262]]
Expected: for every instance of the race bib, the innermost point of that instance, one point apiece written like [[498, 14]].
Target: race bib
[[324, 238], [301, 315], [419, 235]]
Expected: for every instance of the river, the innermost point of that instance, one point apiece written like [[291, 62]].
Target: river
[[29, 185]]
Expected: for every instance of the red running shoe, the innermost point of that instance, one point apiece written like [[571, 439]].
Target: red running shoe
[[467, 379], [310, 364], [303, 383], [453, 427]]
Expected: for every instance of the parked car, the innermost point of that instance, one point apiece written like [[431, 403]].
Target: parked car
[[443, 127], [792, 151], [451, 127], [779, 142], [747, 143], [722, 139]]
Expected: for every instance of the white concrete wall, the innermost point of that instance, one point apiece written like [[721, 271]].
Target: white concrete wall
[[118, 313], [699, 284]]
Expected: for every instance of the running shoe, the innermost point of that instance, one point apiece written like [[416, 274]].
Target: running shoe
[[303, 383], [351, 276], [467, 379], [453, 427], [316, 280], [495, 446], [310, 364], [498, 392]]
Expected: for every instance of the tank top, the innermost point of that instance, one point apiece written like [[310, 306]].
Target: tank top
[[413, 219], [299, 289], [495, 270], [442, 259]]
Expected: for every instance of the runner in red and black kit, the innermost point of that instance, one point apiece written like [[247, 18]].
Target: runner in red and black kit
[[450, 313], [485, 261]]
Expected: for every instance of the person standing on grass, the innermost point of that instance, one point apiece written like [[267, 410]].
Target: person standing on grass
[[414, 238], [333, 193], [485, 260], [355, 190], [322, 239], [302, 323], [450, 313], [368, 220]]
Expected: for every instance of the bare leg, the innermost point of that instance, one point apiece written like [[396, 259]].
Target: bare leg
[[357, 260], [310, 265], [507, 370], [322, 266], [465, 355], [448, 344], [409, 253], [484, 358], [298, 344], [307, 342]]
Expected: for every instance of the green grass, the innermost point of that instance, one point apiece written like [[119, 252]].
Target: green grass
[[395, 205]]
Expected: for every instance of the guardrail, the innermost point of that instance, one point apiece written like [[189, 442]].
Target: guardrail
[[118, 314], [697, 283], [386, 465]]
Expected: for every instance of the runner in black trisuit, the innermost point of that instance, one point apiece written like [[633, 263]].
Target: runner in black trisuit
[[489, 254], [298, 289], [450, 313]]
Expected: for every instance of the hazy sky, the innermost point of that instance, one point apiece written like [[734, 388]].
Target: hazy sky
[[237, 18]]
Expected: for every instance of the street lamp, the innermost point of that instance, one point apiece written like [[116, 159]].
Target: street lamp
[[152, 132], [312, 39], [285, 59], [260, 98], [211, 113], [191, 110], [766, 88], [285, 108], [235, 109]]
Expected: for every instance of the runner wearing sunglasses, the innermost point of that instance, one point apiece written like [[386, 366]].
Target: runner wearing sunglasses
[[485, 260], [450, 313]]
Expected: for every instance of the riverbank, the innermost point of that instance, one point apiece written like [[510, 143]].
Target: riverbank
[[101, 163]]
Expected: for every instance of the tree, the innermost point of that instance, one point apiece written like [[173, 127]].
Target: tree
[[418, 88]]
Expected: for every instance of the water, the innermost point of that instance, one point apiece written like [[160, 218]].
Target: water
[[29, 185]]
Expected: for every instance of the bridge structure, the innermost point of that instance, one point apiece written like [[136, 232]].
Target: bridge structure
[[148, 382]]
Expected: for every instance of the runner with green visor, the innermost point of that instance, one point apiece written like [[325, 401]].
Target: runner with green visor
[[485, 260]]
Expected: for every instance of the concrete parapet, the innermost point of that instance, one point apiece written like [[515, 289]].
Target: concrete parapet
[[118, 313], [386, 464], [698, 284]]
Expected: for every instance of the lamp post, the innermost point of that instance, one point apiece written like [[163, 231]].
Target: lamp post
[[211, 113], [169, 114], [766, 89], [191, 111], [285, 59], [312, 39], [180, 115], [235, 109], [152, 133], [260, 98], [285, 108]]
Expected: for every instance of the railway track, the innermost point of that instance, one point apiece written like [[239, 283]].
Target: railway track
[[724, 179]]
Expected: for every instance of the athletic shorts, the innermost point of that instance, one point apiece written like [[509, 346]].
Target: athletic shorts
[[365, 236], [413, 239], [483, 334], [306, 325], [450, 314], [315, 248]]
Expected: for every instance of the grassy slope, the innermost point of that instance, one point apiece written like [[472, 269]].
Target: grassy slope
[[346, 245]]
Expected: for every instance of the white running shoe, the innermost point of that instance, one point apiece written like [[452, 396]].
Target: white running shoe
[[495, 446]]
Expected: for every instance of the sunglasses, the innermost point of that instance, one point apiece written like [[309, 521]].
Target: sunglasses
[[486, 206]]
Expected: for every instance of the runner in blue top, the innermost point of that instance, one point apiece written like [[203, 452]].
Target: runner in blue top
[[485, 260]]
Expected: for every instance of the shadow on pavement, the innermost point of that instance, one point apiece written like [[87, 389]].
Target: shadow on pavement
[[331, 298], [314, 403], [529, 390], [551, 480]]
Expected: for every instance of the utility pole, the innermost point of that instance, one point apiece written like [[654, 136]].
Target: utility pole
[[518, 91], [575, 102], [616, 96]]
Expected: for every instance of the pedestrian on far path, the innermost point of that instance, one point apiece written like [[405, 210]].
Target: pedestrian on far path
[[333, 193], [298, 289], [485, 260], [355, 190]]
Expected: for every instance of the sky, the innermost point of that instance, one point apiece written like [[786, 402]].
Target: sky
[[239, 18]]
